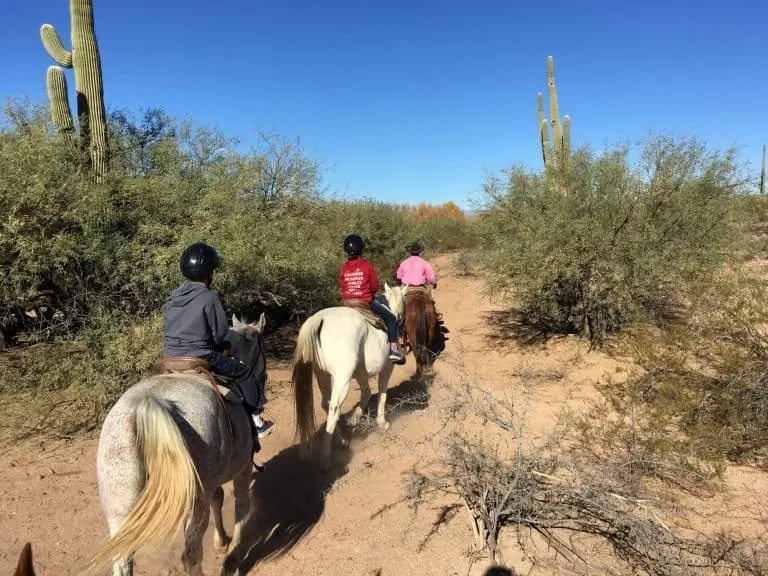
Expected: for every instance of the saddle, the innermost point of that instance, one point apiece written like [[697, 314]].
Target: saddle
[[224, 386], [365, 309]]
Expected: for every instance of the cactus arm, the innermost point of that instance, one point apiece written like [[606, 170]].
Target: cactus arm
[[543, 129], [566, 136], [762, 173], [56, 83], [545, 146], [540, 107], [54, 46]]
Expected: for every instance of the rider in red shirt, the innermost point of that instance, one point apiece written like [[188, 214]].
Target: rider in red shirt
[[358, 280]]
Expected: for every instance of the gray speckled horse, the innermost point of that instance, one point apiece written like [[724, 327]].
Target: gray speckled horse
[[165, 450]]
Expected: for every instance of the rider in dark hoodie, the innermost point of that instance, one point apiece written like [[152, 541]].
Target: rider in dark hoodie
[[195, 324]]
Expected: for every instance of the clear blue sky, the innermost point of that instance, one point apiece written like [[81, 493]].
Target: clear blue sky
[[411, 100]]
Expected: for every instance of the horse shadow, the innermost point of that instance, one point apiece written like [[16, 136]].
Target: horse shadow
[[500, 571], [437, 345], [288, 500]]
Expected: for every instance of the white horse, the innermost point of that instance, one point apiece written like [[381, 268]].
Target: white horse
[[166, 448], [337, 344]]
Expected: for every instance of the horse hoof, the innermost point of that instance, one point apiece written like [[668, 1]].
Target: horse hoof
[[221, 546], [383, 424], [231, 567]]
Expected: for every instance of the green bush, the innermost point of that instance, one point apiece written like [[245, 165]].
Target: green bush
[[698, 393], [590, 249]]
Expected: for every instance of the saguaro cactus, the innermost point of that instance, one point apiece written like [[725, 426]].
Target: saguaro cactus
[[762, 173], [557, 151], [84, 59]]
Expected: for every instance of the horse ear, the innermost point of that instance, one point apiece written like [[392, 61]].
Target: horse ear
[[386, 287], [259, 326], [235, 321]]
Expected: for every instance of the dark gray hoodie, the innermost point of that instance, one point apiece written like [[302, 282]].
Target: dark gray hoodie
[[194, 321]]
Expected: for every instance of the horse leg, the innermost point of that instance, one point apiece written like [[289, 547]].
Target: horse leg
[[384, 376], [123, 566], [242, 485], [339, 391], [365, 396], [120, 479], [194, 530], [220, 538], [324, 383]]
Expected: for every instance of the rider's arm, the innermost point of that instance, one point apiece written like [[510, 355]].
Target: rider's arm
[[373, 278], [400, 271], [217, 320], [430, 274]]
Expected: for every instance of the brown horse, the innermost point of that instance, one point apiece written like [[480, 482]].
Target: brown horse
[[24, 567], [420, 325]]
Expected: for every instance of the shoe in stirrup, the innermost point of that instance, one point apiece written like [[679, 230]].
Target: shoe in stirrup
[[396, 356], [264, 429]]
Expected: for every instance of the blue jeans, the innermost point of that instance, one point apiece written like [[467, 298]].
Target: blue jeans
[[389, 318], [251, 388]]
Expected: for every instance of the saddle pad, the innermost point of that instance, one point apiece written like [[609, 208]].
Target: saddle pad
[[364, 309]]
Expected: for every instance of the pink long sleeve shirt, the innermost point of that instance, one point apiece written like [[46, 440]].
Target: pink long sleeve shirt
[[416, 271]]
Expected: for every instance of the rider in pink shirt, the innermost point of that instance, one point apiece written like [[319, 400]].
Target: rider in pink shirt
[[414, 270]]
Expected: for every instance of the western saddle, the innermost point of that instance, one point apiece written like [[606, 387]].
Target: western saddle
[[224, 386]]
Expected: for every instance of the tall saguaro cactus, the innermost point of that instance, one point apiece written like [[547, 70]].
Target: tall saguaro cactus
[[762, 173], [557, 151], [84, 59]]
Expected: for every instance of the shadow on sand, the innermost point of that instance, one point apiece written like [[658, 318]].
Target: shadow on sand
[[288, 499], [437, 345]]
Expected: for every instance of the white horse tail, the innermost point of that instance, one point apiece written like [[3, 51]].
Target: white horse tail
[[170, 489], [304, 358]]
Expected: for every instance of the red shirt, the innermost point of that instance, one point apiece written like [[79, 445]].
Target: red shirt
[[358, 279]]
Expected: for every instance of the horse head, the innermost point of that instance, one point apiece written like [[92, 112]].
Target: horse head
[[246, 338], [395, 296]]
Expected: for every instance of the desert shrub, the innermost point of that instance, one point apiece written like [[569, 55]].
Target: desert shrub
[[699, 389], [591, 248]]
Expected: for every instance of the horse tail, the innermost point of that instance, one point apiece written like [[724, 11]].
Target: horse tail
[[421, 332], [304, 358], [170, 489]]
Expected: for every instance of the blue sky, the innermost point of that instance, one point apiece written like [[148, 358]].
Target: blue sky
[[416, 100]]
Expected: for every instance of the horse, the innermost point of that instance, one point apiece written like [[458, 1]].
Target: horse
[[420, 326], [336, 344], [166, 448], [24, 567]]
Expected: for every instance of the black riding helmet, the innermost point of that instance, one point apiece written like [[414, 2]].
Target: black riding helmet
[[353, 245], [198, 261], [415, 248]]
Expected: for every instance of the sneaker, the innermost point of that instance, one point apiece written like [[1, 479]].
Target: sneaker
[[265, 429], [396, 356]]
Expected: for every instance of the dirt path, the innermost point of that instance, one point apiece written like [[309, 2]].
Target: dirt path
[[324, 525]]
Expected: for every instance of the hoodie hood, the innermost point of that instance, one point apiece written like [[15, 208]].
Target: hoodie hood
[[185, 293]]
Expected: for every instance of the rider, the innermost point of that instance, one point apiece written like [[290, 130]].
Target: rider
[[414, 270], [195, 324], [358, 280]]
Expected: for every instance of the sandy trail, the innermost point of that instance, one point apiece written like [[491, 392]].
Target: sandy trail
[[311, 524]]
